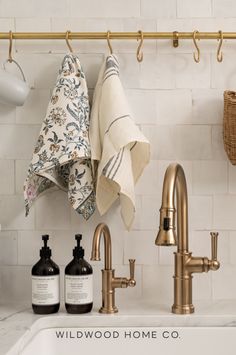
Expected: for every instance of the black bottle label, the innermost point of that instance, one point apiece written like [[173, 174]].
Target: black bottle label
[[45, 290], [78, 289]]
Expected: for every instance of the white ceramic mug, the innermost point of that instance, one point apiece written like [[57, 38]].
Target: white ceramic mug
[[13, 90]]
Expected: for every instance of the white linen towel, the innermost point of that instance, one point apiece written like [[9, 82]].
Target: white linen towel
[[119, 149], [62, 155]]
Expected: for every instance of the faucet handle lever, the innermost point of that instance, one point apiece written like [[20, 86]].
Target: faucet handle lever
[[214, 263], [132, 281], [214, 240]]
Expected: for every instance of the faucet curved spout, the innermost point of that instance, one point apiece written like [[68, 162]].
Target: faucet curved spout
[[102, 229], [174, 181]]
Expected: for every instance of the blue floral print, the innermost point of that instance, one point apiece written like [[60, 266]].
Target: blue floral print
[[62, 153]]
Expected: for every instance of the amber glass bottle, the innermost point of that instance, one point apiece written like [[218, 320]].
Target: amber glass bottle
[[45, 282], [78, 282]]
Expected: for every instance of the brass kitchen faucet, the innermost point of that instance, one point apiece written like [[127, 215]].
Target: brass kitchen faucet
[[109, 281], [185, 263]]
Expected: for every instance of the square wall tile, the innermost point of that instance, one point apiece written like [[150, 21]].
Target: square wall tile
[[149, 219], [226, 8], [181, 142], [8, 248], [223, 74], [166, 255], [9, 9], [140, 246], [143, 105], [7, 172], [17, 142], [191, 8], [129, 71], [150, 181], [210, 177], [52, 8], [12, 212], [202, 286], [159, 9], [34, 109], [207, 106], [157, 72], [224, 286], [53, 211], [178, 102], [15, 284], [7, 114], [224, 212], [158, 284], [189, 74], [106, 8], [192, 142], [200, 212]]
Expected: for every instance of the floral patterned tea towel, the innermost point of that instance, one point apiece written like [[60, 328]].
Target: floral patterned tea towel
[[62, 156]]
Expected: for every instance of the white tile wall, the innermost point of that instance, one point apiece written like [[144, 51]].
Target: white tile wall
[[183, 142], [53, 211], [207, 172], [105, 9], [31, 112], [207, 106], [7, 114], [224, 212], [157, 72], [177, 101], [158, 9], [8, 244], [7, 177], [179, 106], [12, 213], [191, 8], [226, 8], [189, 74]]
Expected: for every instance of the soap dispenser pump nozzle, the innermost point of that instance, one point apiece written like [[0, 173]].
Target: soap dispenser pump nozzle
[[45, 250], [78, 250]]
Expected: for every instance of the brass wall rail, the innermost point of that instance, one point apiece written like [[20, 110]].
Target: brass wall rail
[[116, 35]]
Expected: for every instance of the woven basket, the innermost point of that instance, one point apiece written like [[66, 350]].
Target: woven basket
[[229, 128]]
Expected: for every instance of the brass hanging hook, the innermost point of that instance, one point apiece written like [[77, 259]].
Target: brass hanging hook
[[67, 41], [196, 56], [139, 54], [219, 53], [109, 42], [10, 59]]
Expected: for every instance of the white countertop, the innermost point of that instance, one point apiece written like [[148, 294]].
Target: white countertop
[[16, 319]]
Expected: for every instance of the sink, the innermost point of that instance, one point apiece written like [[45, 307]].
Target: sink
[[139, 328], [123, 340]]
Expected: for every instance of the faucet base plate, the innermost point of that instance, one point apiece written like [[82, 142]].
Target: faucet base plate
[[185, 309], [111, 310]]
